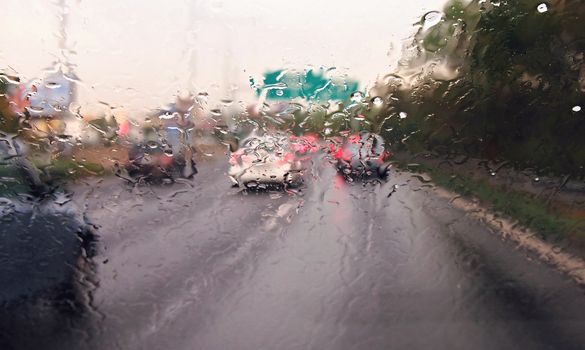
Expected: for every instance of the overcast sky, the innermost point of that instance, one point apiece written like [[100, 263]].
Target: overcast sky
[[139, 54]]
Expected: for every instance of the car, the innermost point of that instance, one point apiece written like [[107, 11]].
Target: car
[[266, 161], [153, 161], [44, 244], [362, 156], [47, 272], [304, 145], [45, 238]]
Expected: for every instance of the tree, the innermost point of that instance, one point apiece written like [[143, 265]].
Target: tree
[[517, 84], [9, 122]]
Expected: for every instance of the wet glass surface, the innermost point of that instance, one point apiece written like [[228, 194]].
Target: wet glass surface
[[263, 175]]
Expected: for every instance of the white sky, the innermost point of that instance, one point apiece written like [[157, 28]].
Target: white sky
[[137, 53]]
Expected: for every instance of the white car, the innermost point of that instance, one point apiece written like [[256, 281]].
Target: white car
[[265, 161]]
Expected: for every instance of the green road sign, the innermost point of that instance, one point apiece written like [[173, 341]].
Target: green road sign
[[312, 85]]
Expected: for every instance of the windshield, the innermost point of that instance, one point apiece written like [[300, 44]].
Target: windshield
[[222, 174]]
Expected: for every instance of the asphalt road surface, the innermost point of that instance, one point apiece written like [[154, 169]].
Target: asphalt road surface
[[200, 265]]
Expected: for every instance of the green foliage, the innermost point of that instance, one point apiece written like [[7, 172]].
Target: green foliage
[[8, 121], [530, 212], [520, 73], [67, 168]]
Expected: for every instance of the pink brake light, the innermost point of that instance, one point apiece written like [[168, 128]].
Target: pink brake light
[[234, 156], [286, 159], [166, 161], [354, 139]]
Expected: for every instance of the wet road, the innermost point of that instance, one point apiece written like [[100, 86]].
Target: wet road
[[200, 265]]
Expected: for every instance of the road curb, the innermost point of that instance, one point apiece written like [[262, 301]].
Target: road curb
[[525, 238]]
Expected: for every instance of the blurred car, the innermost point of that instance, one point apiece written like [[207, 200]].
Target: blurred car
[[266, 161], [44, 246], [154, 161], [362, 156], [305, 145]]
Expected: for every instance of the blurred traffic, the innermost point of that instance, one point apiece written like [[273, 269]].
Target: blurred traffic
[[266, 175]]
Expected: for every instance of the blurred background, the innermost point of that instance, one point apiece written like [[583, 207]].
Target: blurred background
[[135, 54]]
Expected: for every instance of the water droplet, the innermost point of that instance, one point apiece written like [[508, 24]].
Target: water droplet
[[61, 198], [357, 96], [74, 107], [360, 117], [377, 101], [166, 116], [57, 108], [576, 109], [216, 112], [202, 97], [542, 8], [63, 138], [152, 144], [10, 79], [52, 85], [431, 19], [279, 92], [35, 109], [402, 115]]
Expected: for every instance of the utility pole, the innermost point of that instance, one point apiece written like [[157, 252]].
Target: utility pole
[[63, 43], [193, 29]]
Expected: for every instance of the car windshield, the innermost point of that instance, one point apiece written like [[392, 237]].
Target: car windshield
[[224, 174]]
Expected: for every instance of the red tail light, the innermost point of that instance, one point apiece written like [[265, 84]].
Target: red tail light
[[235, 156]]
